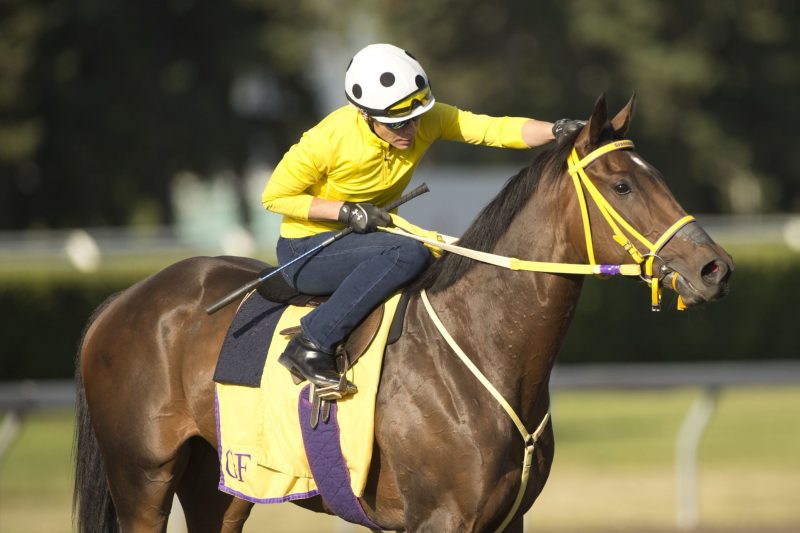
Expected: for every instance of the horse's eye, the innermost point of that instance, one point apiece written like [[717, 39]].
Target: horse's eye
[[622, 188]]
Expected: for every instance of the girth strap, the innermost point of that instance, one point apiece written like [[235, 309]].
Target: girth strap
[[530, 439]]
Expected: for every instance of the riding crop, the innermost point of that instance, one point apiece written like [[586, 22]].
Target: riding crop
[[213, 308]]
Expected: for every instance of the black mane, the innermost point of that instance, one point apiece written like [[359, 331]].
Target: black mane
[[493, 221]]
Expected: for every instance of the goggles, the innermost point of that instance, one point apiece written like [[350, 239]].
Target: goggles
[[409, 103], [419, 98], [399, 125]]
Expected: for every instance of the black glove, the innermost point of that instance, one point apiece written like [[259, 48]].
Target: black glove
[[566, 126], [363, 218]]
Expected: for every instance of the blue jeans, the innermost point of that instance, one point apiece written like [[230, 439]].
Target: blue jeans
[[359, 271]]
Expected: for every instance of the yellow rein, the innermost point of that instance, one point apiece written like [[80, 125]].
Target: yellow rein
[[576, 167]]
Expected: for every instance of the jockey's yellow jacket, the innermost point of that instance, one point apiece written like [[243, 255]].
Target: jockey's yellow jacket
[[342, 159]]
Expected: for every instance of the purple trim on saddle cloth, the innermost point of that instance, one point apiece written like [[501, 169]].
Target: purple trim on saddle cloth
[[219, 439], [324, 453], [222, 488], [609, 270], [287, 498]]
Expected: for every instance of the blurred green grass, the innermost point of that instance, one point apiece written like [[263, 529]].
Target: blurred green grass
[[36, 476], [640, 428], [613, 469]]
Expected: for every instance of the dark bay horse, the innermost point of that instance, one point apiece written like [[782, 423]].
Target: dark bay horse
[[447, 456]]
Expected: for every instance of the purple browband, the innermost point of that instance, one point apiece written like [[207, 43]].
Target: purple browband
[[609, 270]]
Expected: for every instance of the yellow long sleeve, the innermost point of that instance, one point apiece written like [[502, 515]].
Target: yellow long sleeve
[[342, 159]]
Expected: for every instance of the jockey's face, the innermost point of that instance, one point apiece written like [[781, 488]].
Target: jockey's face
[[402, 138]]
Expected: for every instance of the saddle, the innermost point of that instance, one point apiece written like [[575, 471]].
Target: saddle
[[277, 289]]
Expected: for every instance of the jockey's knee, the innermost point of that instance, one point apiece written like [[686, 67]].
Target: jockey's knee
[[414, 256]]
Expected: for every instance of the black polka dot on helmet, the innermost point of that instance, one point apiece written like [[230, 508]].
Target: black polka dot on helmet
[[388, 84], [387, 79]]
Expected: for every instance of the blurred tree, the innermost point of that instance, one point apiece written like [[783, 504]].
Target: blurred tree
[[718, 82], [102, 102]]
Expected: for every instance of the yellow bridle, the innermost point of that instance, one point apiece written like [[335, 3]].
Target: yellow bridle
[[576, 167]]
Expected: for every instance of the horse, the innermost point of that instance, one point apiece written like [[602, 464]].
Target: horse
[[446, 454]]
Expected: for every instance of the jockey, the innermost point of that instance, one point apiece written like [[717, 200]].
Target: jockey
[[342, 170]]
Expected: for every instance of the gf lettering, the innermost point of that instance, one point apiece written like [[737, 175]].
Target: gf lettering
[[236, 464]]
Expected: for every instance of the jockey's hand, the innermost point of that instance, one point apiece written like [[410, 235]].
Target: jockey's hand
[[566, 126], [364, 217]]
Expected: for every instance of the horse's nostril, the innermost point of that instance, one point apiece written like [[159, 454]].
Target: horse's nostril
[[715, 272]]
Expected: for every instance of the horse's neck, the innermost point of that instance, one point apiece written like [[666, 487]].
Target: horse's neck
[[512, 323]]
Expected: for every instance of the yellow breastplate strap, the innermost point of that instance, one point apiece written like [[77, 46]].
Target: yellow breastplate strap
[[529, 439]]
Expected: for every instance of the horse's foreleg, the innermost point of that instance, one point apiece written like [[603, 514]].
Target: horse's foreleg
[[438, 520], [205, 507]]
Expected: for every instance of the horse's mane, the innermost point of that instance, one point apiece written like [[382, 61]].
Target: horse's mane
[[493, 221]]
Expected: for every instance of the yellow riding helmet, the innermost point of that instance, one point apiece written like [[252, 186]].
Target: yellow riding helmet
[[388, 83]]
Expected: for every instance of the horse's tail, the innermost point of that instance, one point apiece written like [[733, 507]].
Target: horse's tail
[[92, 508]]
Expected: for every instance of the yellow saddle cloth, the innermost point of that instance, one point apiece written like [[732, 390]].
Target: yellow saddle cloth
[[260, 445]]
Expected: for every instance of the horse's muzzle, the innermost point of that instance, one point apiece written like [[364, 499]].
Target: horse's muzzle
[[712, 282]]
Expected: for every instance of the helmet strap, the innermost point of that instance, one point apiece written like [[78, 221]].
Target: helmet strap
[[369, 120]]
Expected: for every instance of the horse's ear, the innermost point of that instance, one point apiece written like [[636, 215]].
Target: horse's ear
[[590, 135], [622, 121]]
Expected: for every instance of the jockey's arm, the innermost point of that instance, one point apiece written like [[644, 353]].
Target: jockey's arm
[[324, 209], [537, 132]]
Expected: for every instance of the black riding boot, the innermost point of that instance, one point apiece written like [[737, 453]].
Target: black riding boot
[[305, 359]]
